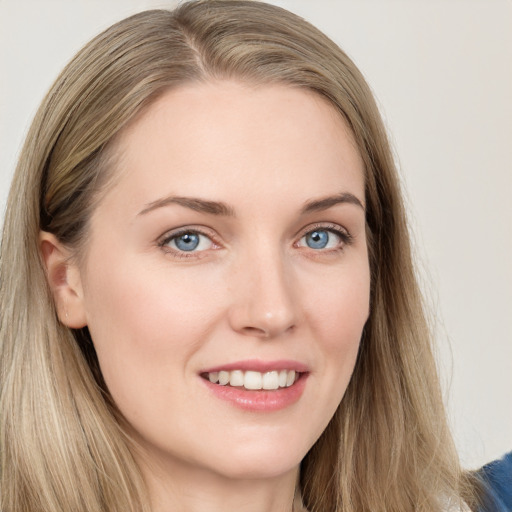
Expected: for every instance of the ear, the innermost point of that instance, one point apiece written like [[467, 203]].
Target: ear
[[64, 279]]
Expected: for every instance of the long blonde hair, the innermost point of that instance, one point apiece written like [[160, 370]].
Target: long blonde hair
[[63, 443]]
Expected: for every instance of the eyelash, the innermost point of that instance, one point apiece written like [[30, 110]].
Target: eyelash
[[168, 238], [345, 238]]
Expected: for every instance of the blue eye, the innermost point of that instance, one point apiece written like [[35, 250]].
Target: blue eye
[[321, 239], [317, 239], [189, 241]]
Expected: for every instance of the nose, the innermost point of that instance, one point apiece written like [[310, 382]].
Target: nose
[[263, 303]]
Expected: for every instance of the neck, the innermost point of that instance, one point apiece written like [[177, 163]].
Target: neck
[[192, 489]]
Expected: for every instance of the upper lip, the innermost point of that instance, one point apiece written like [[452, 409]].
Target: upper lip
[[258, 365]]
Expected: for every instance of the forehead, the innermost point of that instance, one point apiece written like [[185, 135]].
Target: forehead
[[221, 137]]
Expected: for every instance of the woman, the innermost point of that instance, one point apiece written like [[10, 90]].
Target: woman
[[208, 299]]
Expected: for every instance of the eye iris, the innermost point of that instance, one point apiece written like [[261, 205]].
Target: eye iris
[[187, 241], [317, 239]]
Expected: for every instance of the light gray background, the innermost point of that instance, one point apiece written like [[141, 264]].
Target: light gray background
[[442, 72]]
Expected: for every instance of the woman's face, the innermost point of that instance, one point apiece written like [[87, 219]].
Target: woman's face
[[231, 248]]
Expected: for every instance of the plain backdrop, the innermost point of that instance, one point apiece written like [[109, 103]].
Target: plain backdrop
[[442, 74]]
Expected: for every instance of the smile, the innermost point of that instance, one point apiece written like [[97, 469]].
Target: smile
[[257, 386], [254, 380]]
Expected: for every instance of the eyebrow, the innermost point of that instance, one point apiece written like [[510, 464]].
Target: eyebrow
[[196, 204], [222, 209], [327, 202]]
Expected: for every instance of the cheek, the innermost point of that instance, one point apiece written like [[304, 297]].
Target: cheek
[[142, 302], [340, 306], [145, 323], [337, 314]]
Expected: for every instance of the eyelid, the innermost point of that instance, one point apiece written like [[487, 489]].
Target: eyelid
[[327, 226], [337, 229], [163, 240], [340, 231]]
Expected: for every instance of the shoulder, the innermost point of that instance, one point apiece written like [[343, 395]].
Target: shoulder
[[497, 479]]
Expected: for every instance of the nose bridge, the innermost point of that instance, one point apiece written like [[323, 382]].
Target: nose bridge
[[264, 305]]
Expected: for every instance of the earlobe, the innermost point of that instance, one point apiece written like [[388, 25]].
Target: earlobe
[[64, 280]]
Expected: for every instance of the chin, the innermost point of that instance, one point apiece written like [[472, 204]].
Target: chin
[[260, 461], [256, 470]]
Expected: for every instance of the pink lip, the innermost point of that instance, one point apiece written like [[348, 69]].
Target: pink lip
[[259, 400], [257, 365], [262, 400]]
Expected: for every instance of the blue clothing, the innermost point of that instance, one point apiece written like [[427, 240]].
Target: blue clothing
[[497, 479]]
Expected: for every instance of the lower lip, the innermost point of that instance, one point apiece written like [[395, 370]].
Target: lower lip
[[260, 400]]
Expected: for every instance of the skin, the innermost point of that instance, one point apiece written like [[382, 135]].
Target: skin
[[254, 289]]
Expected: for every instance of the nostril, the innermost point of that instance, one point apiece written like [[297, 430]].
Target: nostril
[[261, 332], [256, 331], [263, 315]]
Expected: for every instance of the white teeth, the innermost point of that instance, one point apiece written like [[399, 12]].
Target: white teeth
[[270, 380], [254, 380], [237, 378], [290, 379], [223, 378]]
